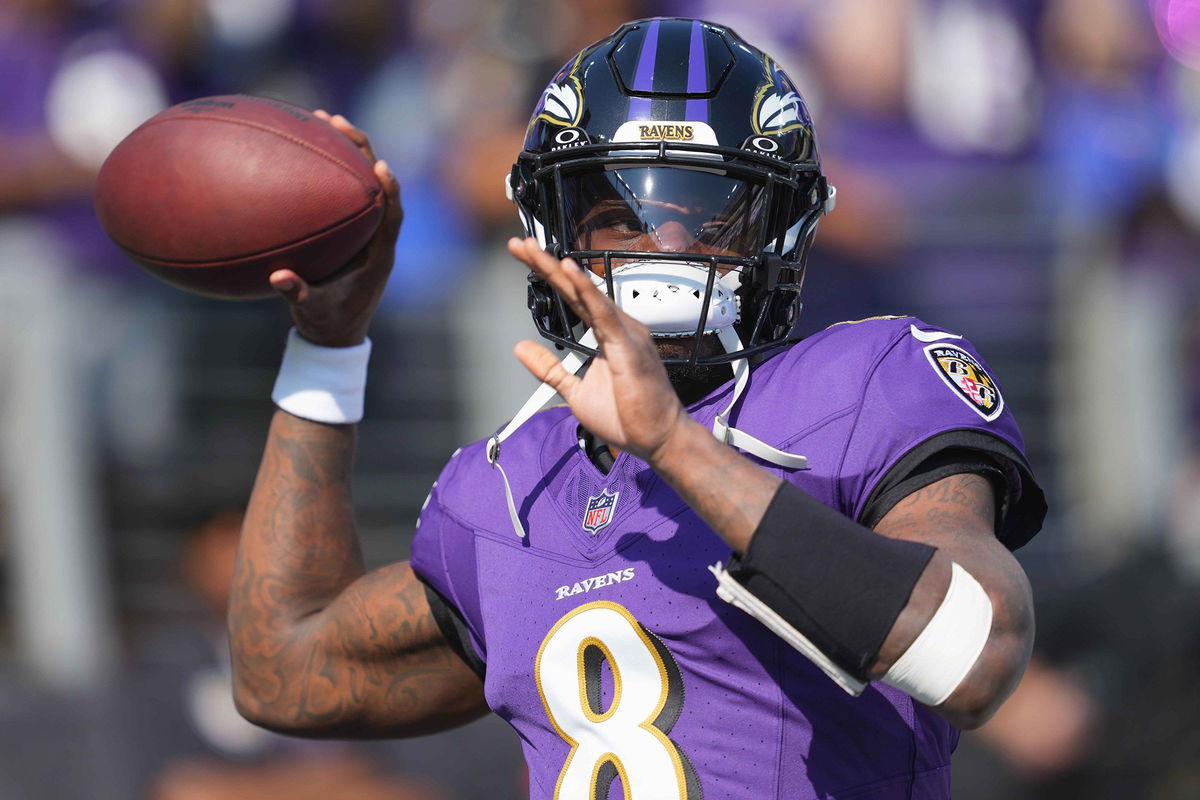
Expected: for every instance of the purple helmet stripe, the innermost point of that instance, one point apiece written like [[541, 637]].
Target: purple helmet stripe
[[643, 79], [697, 109]]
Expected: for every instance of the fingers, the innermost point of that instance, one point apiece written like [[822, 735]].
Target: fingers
[[575, 286], [558, 273], [360, 139], [291, 286], [545, 367], [394, 211], [380, 252]]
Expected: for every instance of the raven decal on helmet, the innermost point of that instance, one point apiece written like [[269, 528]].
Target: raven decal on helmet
[[778, 107], [562, 101]]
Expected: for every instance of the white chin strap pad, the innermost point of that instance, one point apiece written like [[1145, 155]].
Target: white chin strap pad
[[667, 296]]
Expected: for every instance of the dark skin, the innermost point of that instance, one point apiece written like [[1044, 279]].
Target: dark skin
[[321, 648]]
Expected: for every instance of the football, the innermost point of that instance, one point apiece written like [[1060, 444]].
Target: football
[[215, 194]]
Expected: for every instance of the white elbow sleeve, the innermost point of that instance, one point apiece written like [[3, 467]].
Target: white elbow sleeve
[[939, 659]]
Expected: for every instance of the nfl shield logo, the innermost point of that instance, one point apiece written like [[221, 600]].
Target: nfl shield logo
[[599, 511]]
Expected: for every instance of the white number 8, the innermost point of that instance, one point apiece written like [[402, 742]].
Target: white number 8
[[629, 738]]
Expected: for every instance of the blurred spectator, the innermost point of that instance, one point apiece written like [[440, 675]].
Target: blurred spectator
[[1043, 730], [1108, 711], [1106, 126], [1116, 628], [1123, 383], [72, 92]]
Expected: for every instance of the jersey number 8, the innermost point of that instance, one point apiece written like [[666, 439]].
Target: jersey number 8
[[629, 738]]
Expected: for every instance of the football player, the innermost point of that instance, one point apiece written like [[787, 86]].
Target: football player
[[736, 564]]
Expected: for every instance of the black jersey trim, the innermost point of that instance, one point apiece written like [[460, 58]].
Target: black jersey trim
[[942, 464], [454, 628], [1021, 506]]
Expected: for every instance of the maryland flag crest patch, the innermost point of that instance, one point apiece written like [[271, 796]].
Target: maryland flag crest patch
[[963, 373]]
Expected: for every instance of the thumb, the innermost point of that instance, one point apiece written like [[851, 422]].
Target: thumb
[[546, 367], [291, 286]]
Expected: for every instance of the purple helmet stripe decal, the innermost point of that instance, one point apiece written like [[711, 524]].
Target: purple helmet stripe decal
[[643, 79], [697, 109]]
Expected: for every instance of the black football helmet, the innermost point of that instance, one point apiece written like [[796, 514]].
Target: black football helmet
[[679, 164]]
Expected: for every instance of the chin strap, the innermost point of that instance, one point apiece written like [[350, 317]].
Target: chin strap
[[572, 363], [740, 439]]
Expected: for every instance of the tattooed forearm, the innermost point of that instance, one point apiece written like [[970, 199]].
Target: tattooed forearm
[[319, 647], [725, 488]]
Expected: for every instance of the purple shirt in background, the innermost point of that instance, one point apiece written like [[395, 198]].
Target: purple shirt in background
[[615, 641], [30, 59]]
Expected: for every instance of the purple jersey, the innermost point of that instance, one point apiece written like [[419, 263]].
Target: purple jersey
[[605, 645]]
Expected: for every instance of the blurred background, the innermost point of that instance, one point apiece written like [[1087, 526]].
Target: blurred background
[[1024, 171]]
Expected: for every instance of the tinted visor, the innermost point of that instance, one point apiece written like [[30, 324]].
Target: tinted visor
[[663, 209]]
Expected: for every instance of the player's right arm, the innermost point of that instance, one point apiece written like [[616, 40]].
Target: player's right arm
[[319, 647]]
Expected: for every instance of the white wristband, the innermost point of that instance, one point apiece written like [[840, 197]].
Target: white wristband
[[323, 384]]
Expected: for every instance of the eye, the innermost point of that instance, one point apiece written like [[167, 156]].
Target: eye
[[618, 220]]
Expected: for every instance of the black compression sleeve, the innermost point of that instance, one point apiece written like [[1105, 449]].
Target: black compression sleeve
[[837, 582]]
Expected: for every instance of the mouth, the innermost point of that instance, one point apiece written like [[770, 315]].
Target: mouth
[[685, 346], [693, 381]]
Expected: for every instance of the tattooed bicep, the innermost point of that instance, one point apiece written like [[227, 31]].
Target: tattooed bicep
[[319, 648], [373, 662], [385, 611], [957, 504]]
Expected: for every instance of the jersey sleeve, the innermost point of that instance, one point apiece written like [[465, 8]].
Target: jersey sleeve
[[931, 407], [443, 557]]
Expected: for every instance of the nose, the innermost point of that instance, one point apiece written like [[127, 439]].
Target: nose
[[672, 237]]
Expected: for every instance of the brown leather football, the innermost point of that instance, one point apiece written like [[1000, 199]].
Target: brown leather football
[[215, 194]]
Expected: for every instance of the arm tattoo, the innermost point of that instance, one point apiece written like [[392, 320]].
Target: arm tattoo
[[319, 647], [957, 515], [956, 503]]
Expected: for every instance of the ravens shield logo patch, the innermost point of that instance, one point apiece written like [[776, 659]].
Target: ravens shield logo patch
[[963, 373]]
